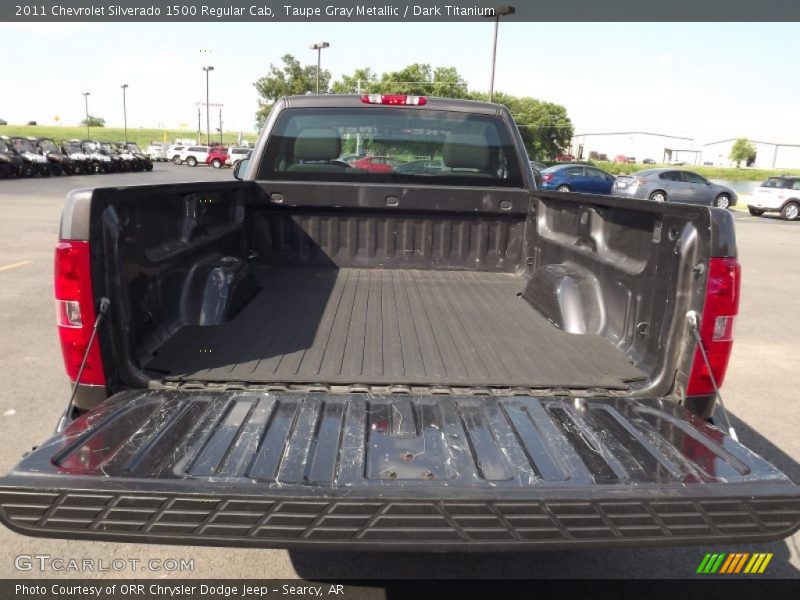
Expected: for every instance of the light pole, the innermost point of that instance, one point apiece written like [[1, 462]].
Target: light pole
[[318, 47], [86, 100], [124, 87], [500, 11], [208, 108], [220, 127]]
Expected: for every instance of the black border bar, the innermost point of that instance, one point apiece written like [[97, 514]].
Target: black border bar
[[707, 588], [360, 11]]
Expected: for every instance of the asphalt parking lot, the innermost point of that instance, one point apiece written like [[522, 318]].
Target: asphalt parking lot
[[760, 393]]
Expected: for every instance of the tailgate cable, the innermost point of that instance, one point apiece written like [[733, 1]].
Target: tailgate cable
[[694, 321], [101, 312]]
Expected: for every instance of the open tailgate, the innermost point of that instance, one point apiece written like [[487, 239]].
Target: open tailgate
[[281, 469]]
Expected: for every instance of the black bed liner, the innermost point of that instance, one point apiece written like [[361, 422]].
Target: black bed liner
[[395, 472], [392, 326]]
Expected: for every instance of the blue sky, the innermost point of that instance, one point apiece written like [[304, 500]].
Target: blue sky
[[706, 81]]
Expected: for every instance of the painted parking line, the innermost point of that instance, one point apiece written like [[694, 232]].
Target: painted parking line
[[21, 263]]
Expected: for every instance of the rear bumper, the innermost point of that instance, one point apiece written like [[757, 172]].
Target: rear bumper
[[358, 522], [284, 470], [767, 208], [628, 192]]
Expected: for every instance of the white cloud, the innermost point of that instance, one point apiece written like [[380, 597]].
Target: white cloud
[[665, 59]]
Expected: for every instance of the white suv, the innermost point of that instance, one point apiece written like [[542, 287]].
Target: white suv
[[174, 153], [194, 155], [235, 155], [156, 152], [777, 194]]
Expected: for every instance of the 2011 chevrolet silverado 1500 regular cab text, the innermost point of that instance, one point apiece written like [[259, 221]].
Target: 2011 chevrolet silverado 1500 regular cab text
[[440, 358]]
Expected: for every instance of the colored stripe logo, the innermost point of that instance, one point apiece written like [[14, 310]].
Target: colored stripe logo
[[734, 563]]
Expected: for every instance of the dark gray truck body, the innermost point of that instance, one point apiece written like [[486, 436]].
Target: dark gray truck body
[[395, 366]]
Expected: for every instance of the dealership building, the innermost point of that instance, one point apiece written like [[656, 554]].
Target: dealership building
[[636, 144], [663, 148], [769, 155]]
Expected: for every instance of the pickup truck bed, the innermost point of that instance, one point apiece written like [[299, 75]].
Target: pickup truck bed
[[399, 326]]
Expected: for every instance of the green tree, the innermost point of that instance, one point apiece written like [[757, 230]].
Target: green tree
[[349, 84], [545, 127], [93, 121], [742, 152], [289, 80], [422, 80], [417, 79]]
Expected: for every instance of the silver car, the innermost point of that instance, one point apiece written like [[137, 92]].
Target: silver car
[[673, 185]]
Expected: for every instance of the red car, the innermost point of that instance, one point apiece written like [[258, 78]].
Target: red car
[[217, 157], [565, 158], [376, 164]]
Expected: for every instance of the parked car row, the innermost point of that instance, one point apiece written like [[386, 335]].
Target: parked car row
[[659, 185], [214, 156], [31, 156]]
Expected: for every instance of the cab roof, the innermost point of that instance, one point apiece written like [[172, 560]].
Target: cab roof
[[354, 101]]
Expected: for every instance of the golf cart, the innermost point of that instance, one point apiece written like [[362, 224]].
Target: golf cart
[[10, 163], [120, 162], [101, 162], [59, 162], [32, 162], [142, 162], [82, 163]]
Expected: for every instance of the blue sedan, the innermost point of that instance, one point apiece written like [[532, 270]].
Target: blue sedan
[[577, 178]]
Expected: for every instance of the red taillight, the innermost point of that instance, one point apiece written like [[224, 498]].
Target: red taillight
[[716, 326], [75, 313], [547, 177], [395, 99]]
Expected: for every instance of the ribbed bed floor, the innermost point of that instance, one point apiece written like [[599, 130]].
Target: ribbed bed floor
[[378, 326]]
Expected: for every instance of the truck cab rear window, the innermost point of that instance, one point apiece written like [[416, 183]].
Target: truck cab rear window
[[391, 145]]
